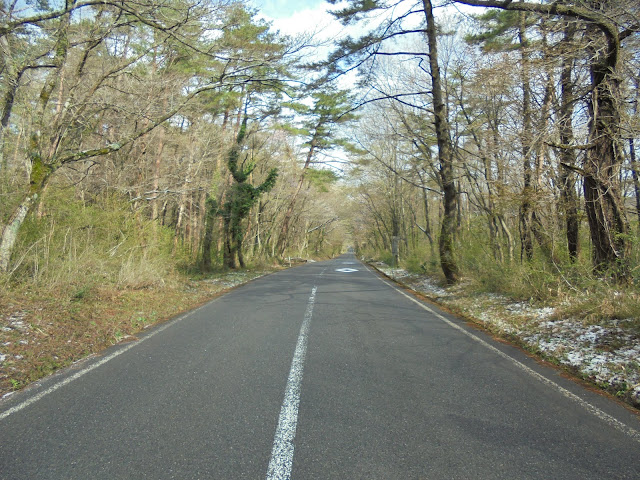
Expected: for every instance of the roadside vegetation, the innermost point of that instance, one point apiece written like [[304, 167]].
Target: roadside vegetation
[[151, 152], [91, 276], [578, 322], [149, 159]]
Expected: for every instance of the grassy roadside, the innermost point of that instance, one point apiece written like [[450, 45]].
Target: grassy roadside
[[43, 331], [594, 336]]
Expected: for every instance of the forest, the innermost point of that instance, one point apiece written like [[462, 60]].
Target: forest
[[148, 143]]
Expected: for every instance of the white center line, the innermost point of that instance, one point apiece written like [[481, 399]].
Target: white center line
[[282, 452]]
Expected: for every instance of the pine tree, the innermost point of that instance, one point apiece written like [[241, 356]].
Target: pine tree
[[330, 110], [353, 53], [241, 197]]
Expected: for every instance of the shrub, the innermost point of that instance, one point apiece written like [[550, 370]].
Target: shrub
[[76, 245]]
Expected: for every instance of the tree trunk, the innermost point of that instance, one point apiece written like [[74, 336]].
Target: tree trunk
[[540, 233], [508, 235], [634, 173], [570, 202], [239, 249], [632, 157], [491, 210], [199, 221], [445, 153], [211, 207], [603, 202], [228, 255], [11, 229], [157, 164], [427, 224], [12, 80], [528, 193], [395, 218], [182, 206], [284, 230]]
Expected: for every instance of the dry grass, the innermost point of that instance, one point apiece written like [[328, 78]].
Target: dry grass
[[41, 332], [592, 331], [87, 275]]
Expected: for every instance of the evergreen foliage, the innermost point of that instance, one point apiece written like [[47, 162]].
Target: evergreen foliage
[[241, 198]]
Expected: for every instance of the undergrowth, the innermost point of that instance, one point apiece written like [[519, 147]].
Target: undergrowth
[[85, 276], [73, 245], [549, 279]]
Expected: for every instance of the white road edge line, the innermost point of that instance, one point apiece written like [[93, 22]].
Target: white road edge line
[[282, 453], [93, 366], [617, 424]]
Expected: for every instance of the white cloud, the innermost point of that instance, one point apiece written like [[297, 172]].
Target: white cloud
[[309, 17], [286, 8], [307, 20]]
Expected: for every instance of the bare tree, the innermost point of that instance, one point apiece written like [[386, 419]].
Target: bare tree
[[606, 26]]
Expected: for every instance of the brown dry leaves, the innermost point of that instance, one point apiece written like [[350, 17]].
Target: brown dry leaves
[[43, 332]]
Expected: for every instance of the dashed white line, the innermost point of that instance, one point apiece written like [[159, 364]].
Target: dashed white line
[[282, 452]]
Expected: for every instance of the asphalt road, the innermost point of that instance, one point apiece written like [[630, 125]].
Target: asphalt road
[[324, 371]]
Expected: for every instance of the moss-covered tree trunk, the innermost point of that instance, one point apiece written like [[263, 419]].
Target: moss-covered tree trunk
[[40, 171], [241, 197]]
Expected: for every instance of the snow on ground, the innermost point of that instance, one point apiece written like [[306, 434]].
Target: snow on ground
[[605, 353], [14, 323], [233, 279]]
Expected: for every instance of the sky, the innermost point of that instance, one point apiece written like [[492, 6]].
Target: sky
[[298, 16], [294, 17], [286, 8]]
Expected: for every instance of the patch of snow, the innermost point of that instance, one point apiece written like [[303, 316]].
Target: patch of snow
[[592, 334], [431, 288], [522, 308], [545, 312], [606, 353], [578, 346], [417, 282], [16, 322]]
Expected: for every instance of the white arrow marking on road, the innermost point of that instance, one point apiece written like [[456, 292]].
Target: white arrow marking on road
[[346, 270]]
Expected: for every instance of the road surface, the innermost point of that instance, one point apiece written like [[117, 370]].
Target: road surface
[[324, 371]]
